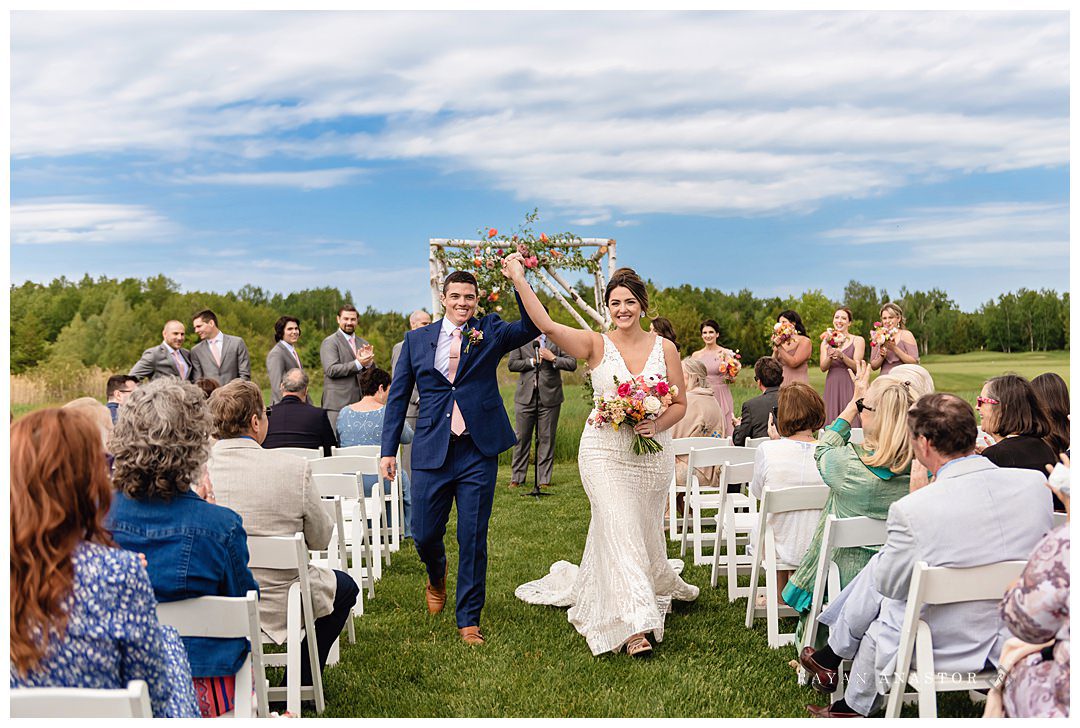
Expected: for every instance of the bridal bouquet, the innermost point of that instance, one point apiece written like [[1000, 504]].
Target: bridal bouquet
[[833, 338], [633, 401], [730, 366], [782, 333], [882, 333]]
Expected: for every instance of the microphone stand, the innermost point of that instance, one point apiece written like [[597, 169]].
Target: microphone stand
[[536, 492]]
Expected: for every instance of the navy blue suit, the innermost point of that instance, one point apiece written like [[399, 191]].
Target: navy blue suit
[[464, 469]]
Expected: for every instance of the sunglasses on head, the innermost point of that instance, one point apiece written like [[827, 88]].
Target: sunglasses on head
[[986, 400], [862, 407]]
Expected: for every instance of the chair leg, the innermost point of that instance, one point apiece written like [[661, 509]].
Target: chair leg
[[924, 668], [772, 609], [292, 660], [751, 599], [732, 556]]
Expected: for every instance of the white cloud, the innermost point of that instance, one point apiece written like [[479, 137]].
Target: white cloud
[[314, 179], [51, 222], [593, 113]]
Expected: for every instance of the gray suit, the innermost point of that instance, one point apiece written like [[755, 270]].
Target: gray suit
[[410, 412], [974, 514], [278, 361], [546, 419], [158, 362], [235, 363], [273, 492], [341, 382]]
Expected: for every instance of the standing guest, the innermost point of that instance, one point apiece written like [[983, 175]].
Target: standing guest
[[283, 356], [663, 326], [1053, 395], [218, 356], [343, 355], [903, 349], [839, 352], [702, 418], [863, 480], [417, 320], [794, 353], [789, 463], [274, 494], [83, 613], [712, 355], [754, 422], [193, 548], [537, 407], [294, 422], [168, 359], [362, 424], [117, 390]]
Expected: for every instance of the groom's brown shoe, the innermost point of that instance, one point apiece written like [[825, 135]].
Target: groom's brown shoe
[[471, 635], [435, 594]]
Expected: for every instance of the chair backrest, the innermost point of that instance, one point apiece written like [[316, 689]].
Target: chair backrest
[[278, 552], [367, 450], [336, 484], [856, 436], [799, 498], [720, 454], [846, 533], [130, 702], [755, 441], [682, 445], [337, 464], [225, 617], [308, 453], [948, 585]]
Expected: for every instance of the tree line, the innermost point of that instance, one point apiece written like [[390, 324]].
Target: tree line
[[107, 323]]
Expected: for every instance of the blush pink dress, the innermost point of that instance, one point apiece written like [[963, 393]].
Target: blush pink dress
[[720, 391]]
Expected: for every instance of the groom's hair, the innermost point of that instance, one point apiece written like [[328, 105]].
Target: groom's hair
[[460, 276]]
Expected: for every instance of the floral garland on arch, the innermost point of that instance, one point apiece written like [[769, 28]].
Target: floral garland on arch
[[559, 250]]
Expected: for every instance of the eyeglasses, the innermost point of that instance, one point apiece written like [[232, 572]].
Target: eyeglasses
[[980, 400], [862, 407]]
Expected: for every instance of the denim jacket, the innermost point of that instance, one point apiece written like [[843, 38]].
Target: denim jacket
[[193, 549]]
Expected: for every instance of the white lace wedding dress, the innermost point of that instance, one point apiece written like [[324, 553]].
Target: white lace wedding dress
[[625, 583]]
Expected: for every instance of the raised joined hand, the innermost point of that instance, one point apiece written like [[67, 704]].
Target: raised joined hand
[[513, 266]]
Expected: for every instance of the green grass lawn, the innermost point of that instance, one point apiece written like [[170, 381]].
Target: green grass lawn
[[409, 664]]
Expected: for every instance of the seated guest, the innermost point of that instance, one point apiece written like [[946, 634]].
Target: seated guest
[[1008, 509], [275, 496], [1053, 395], [789, 463], [361, 424], [702, 417], [117, 389], [193, 548], [83, 613], [768, 375], [1036, 611], [97, 413], [294, 422], [864, 480], [922, 383], [207, 386]]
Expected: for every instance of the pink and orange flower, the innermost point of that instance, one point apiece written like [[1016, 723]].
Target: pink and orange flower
[[634, 400]]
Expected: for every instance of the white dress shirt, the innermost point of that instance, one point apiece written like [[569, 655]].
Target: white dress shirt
[[291, 350], [442, 349]]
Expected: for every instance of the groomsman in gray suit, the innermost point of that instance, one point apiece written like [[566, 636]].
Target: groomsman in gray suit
[[544, 355], [284, 356], [343, 355], [168, 359], [973, 514], [218, 356], [417, 319]]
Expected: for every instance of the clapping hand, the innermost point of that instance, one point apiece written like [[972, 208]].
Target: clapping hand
[[366, 355], [861, 378], [513, 266], [546, 354]]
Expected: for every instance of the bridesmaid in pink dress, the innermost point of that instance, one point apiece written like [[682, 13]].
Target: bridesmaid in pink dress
[[837, 362], [901, 350], [710, 357], [795, 352]]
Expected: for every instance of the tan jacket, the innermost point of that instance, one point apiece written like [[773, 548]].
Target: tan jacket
[[702, 418], [275, 496]]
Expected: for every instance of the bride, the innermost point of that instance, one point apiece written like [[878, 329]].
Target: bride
[[625, 584]]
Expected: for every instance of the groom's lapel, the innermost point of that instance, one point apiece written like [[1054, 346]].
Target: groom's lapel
[[431, 338], [468, 356]]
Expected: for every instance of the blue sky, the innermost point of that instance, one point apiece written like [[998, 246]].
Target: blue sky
[[772, 151]]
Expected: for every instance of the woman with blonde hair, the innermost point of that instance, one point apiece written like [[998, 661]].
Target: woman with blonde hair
[[864, 480], [899, 349], [702, 416]]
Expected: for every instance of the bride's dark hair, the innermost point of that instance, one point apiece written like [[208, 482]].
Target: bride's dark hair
[[628, 279]]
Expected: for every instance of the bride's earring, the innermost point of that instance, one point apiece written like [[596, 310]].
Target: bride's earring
[[641, 315]]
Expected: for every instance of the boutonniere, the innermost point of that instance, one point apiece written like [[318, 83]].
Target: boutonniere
[[475, 336]]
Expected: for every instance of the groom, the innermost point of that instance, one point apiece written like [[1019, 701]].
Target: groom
[[460, 430]]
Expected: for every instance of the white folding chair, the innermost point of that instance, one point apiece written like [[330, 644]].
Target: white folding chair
[[358, 466], [308, 453], [355, 536], [839, 533], [755, 441], [773, 502], [130, 702], [941, 585], [225, 617], [735, 528], [681, 446], [701, 497], [856, 437], [290, 553], [396, 495], [365, 450], [337, 553]]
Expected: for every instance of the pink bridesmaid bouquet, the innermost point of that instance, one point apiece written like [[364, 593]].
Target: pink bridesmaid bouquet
[[833, 338], [782, 333], [730, 366], [882, 333]]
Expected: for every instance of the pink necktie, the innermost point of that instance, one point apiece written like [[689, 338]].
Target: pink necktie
[[180, 366], [297, 357], [457, 422], [352, 344], [214, 350]]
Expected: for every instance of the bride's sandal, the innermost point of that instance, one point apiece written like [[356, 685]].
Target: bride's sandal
[[639, 647]]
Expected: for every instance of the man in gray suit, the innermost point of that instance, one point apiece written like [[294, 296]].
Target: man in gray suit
[[543, 356], [283, 356], [168, 359], [218, 356], [343, 355], [973, 514], [417, 319]]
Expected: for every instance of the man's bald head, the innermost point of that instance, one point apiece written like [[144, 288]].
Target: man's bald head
[[419, 318]]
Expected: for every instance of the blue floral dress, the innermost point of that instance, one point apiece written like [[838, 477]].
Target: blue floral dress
[[113, 636], [365, 428]]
